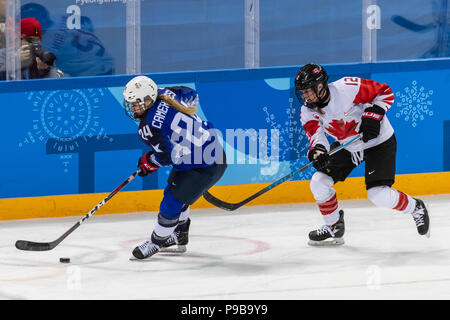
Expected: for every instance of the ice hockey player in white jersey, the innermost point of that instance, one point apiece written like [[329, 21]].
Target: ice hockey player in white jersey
[[343, 109]]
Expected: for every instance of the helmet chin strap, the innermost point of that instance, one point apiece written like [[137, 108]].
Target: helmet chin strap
[[322, 102], [142, 105], [141, 108], [325, 99]]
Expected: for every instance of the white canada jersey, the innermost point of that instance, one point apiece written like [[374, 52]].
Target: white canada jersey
[[349, 97]]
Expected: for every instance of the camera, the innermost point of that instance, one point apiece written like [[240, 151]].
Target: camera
[[47, 57]]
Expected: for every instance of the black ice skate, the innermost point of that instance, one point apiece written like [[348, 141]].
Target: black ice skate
[[145, 251], [329, 235], [421, 218], [179, 237]]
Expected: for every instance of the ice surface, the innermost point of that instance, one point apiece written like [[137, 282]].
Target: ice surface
[[257, 252]]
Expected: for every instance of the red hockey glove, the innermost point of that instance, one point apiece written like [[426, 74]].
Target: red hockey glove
[[370, 122], [146, 164], [320, 155]]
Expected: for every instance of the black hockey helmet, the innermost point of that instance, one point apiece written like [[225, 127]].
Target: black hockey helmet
[[309, 77]]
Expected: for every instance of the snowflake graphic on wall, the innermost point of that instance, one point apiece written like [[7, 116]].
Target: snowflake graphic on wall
[[414, 103], [291, 145]]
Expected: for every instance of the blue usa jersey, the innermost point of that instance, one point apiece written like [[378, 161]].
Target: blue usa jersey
[[178, 139]]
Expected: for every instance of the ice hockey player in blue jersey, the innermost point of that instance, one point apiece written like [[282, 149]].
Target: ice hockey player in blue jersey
[[179, 138]]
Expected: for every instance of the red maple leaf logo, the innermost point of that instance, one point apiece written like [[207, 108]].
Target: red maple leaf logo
[[311, 128], [341, 129]]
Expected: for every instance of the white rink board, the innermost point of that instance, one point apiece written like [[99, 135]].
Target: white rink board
[[256, 252]]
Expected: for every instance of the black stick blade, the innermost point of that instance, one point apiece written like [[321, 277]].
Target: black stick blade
[[45, 246], [219, 203], [33, 246]]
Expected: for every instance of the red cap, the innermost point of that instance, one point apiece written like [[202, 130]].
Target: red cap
[[30, 27]]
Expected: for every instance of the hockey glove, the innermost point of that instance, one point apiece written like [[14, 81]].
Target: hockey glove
[[319, 155], [334, 145], [146, 164], [370, 122]]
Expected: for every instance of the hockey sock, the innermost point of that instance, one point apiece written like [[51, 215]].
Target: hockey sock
[[325, 195], [163, 229], [387, 197], [184, 214], [405, 203], [330, 210]]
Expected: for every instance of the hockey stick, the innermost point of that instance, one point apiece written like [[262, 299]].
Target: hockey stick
[[44, 246], [233, 206]]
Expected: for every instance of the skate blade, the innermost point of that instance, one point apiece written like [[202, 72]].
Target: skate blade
[[133, 258], [327, 243], [174, 249]]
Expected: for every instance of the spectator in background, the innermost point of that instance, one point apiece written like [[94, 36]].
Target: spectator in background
[[2, 23], [36, 63], [79, 50]]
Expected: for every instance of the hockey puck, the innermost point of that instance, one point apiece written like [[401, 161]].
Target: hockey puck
[[64, 260]]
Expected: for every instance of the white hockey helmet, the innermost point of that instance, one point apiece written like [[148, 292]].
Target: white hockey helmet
[[136, 90]]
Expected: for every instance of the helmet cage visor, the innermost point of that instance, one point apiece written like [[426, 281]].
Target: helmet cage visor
[[131, 112], [309, 77], [137, 93], [321, 97]]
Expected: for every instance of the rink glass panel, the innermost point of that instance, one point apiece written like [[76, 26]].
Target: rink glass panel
[[89, 37]]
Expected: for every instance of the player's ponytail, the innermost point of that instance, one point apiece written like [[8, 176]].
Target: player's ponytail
[[178, 106]]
